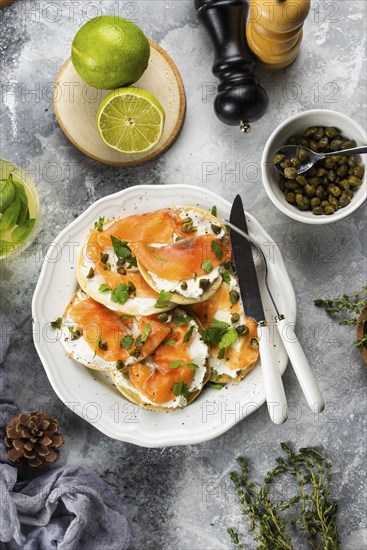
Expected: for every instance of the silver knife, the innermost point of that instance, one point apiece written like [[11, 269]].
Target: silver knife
[[252, 304]]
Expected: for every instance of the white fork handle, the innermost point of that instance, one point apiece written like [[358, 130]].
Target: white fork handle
[[273, 385], [301, 367]]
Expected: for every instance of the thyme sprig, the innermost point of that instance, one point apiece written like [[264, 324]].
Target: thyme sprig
[[351, 305], [313, 512]]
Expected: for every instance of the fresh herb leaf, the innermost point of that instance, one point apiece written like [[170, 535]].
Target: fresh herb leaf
[[104, 288], [21, 192], [195, 275], [213, 334], [22, 231], [188, 334], [99, 224], [151, 249], [176, 364], [144, 335], [182, 320], [215, 386], [350, 306], [163, 299], [132, 262], [192, 366], [56, 324], [226, 276], [169, 343], [181, 388], [10, 215], [121, 248], [217, 249], [229, 338], [120, 294], [126, 342], [233, 297], [207, 265], [7, 192], [214, 211], [309, 509], [6, 247]]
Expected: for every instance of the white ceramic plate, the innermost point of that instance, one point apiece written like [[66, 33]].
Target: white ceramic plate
[[90, 394]]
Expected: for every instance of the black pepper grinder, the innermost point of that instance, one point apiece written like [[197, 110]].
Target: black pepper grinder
[[240, 99]]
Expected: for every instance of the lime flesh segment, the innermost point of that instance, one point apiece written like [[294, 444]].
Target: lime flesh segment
[[130, 120]]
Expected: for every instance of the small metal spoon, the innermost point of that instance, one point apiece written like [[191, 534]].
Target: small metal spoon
[[290, 151]]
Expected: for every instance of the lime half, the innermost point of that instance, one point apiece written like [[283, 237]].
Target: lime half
[[130, 120]]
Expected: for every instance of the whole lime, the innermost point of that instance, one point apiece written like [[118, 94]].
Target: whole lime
[[109, 52]]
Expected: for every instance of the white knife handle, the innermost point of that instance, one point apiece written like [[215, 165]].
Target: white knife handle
[[273, 385], [301, 367]]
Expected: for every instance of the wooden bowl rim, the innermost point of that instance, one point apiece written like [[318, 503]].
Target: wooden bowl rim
[[150, 155]]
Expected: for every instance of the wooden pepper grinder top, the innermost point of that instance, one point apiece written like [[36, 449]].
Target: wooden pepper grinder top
[[274, 30]]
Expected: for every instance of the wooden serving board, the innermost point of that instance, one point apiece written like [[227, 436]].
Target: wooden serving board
[[76, 104]]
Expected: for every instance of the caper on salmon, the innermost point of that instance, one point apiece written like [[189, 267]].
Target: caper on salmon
[[331, 183]]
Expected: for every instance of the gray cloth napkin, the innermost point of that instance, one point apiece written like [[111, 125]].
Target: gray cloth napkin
[[65, 508]]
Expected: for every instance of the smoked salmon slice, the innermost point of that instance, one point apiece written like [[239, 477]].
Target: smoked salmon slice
[[112, 278], [182, 260], [155, 385], [97, 323], [206, 311], [154, 227], [173, 349]]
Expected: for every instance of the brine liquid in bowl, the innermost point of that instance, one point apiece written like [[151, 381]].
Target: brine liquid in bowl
[[19, 210]]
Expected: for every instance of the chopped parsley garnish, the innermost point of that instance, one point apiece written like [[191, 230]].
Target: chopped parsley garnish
[[176, 364], [207, 265], [217, 249], [121, 248], [120, 294], [181, 388], [151, 249], [215, 331], [192, 366], [226, 276], [56, 324], [163, 299], [182, 320], [132, 262], [169, 343], [229, 338], [214, 211], [126, 342], [99, 225], [144, 335], [195, 275], [220, 333], [215, 386], [104, 288], [188, 334], [179, 363]]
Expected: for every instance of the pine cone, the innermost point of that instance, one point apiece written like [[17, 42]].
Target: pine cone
[[33, 439]]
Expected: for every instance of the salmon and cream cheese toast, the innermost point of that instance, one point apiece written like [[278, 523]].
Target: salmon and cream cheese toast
[[102, 339], [232, 337], [147, 263], [190, 267], [176, 372]]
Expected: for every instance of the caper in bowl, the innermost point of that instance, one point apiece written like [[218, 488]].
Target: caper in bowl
[[330, 190]]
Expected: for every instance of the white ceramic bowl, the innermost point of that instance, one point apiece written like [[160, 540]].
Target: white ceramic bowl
[[91, 394], [297, 124]]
